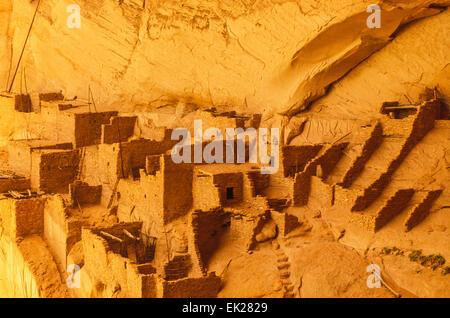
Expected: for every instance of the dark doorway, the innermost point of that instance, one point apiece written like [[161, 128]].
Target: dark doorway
[[230, 193]]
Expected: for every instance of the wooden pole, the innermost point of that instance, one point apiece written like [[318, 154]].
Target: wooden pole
[[111, 236], [24, 45], [131, 236]]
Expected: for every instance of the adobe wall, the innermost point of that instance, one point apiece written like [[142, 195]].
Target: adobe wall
[[255, 183], [421, 210], [321, 194], [132, 199], [101, 165], [209, 146], [369, 147], [88, 127], [98, 257], [213, 190], [244, 228], [19, 157], [22, 103], [210, 120], [82, 193], [178, 267], [327, 160], [55, 231], [53, 170], [60, 231], [345, 198], [51, 96], [22, 217], [129, 155], [285, 222], [29, 216], [258, 225], [201, 287], [152, 164], [178, 181], [392, 207], [21, 184], [206, 230], [19, 153], [295, 158], [99, 254], [96, 169], [141, 281], [120, 129], [135, 152], [205, 193], [426, 116], [58, 126], [142, 200], [224, 181]]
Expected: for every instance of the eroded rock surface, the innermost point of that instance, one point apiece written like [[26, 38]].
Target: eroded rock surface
[[275, 56]]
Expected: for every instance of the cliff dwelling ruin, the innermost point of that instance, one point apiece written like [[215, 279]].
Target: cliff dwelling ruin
[[339, 161]]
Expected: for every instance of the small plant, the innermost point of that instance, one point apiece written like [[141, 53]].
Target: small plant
[[392, 251], [434, 261], [396, 251], [415, 255], [446, 270], [386, 250]]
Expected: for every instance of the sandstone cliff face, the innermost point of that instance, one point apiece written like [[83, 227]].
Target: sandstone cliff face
[[272, 56], [417, 59]]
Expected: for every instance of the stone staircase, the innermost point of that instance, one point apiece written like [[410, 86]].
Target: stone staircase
[[283, 266]]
